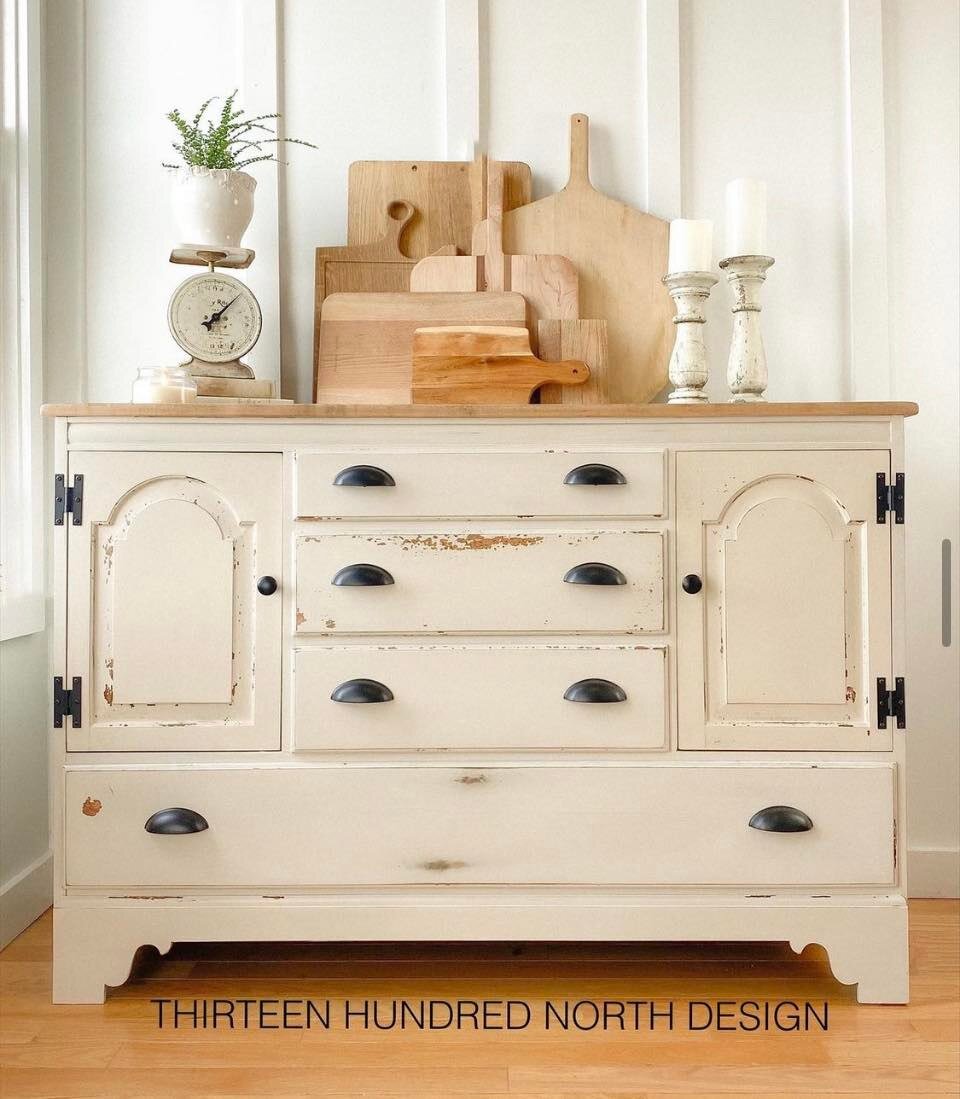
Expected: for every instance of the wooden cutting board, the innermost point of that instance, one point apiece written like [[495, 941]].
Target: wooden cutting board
[[449, 198], [621, 255], [586, 340], [377, 267], [483, 365], [548, 282], [366, 340]]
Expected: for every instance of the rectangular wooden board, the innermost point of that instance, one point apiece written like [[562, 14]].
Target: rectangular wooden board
[[575, 339], [449, 197], [366, 340]]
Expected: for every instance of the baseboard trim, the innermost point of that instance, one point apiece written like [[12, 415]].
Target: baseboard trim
[[25, 896], [933, 871]]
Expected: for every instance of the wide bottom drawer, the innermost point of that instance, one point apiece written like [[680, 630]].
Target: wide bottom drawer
[[282, 827]]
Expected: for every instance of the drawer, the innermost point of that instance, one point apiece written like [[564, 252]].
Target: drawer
[[455, 483], [276, 827], [480, 582], [478, 697]]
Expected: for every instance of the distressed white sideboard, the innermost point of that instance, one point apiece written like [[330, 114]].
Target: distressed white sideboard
[[473, 673]]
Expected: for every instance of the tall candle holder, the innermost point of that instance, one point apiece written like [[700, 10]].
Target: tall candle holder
[[688, 362], [747, 365]]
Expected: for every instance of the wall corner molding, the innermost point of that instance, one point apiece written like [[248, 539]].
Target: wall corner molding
[[25, 896], [934, 872]]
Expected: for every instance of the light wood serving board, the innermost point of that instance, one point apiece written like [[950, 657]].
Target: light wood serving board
[[483, 365], [621, 255], [377, 267], [449, 196], [366, 340], [586, 340], [548, 282]]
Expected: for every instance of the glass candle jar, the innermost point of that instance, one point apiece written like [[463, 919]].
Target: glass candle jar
[[163, 385]]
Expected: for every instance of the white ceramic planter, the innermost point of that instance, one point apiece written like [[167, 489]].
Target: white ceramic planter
[[212, 206]]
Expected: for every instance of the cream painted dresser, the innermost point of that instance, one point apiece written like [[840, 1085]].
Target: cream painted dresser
[[364, 673]]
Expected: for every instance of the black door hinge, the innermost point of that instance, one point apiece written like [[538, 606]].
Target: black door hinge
[[891, 703], [66, 703], [67, 499], [890, 498]]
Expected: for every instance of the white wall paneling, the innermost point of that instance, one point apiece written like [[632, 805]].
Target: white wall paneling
[[364, 80], [140, 64], [461, 75], [831, 105], [867, 231], [661, 90], [261, 92], [763, 96], [549, 59], [921, 44]]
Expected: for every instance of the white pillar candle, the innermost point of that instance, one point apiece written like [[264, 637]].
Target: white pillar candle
[[746, 217], [691, 246]]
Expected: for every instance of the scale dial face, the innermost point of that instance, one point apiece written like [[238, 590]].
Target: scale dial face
[[214, 317]]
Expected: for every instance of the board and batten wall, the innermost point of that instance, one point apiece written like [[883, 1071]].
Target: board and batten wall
[[848, 108]]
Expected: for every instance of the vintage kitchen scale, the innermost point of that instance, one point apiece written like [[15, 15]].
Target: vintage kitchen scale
[[216, 319]]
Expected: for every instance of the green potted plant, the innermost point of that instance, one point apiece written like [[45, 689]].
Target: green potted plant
[[212, 195]]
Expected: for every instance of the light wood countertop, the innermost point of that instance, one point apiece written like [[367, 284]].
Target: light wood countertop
[[810, 410]]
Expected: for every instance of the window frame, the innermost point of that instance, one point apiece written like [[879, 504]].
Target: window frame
[[22, 558]]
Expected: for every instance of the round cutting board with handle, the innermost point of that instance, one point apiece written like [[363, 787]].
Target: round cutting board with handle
[[621, 255]]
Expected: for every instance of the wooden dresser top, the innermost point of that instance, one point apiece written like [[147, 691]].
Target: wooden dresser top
[[762, 411]]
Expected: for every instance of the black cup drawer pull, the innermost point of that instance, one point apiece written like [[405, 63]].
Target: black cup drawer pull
[[781, 818], [594, 572], [595, 690], [362, 690], [362, 576], [594, 473], [176, 822], [364, 477]]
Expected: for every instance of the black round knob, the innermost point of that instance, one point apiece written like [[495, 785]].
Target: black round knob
[[266, 585], [691, 583]]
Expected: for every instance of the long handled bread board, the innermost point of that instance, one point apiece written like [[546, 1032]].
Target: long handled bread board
[[376, 267], [620, 255], [449, 197], [366, 340], [483, 364], [548, 282]]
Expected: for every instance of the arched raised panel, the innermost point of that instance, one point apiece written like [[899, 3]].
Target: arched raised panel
[[165, 623], [792, 598], [173, 596], [782, 646]]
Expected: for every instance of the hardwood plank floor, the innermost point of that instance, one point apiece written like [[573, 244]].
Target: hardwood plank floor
[[118, 1049]]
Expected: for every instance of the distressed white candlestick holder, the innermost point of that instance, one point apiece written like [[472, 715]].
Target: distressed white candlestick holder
[[747, 365], [688, 362]]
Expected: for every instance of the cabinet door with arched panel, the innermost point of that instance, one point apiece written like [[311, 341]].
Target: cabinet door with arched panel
[[176, 647], [782, 599]]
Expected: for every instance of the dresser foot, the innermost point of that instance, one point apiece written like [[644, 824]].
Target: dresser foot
[[869, 948], [92, 950]]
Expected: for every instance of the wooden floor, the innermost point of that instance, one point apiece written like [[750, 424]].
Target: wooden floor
[[118, 1050]]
